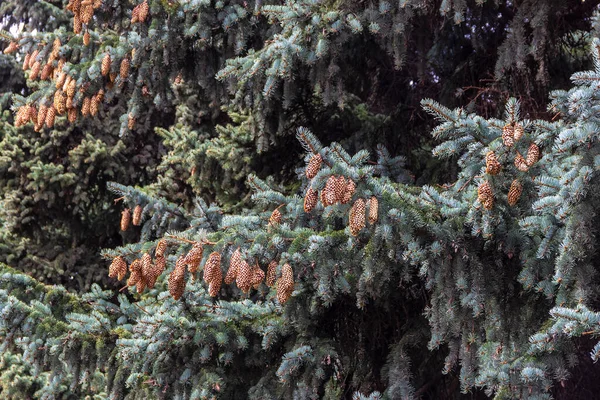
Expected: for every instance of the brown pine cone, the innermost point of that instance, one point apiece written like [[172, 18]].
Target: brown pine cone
[[514, 193], [50, 116], [285, 284], [310, 199], [373, 210], [275, 218], [485, 195], [349, 191], [194, 257], [520, 163], [106, 61], [125, 219], [118, 268], [340, 188], [177, 279], [508, 137], [271, 273], [357, 217], [533, 154], [492, 167], [244, 277], [137, 215], [518, 131], [161, 248], [258, 275], [212, 268], [314, 165], [328, 195], [234, 265]]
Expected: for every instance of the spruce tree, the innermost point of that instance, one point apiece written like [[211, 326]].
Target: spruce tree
[[247, 272]]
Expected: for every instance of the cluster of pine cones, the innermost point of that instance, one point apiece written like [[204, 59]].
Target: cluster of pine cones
[[511, 133], [339, 190], [145, 272], [65, 99]]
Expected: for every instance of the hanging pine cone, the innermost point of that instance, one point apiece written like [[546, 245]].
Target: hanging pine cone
[[55, 50], [177, 279], [96, 3], [94, 105], [105, 65], [275, 218], [485, 195], [212, 268], [160, 264], [349, 191], [135, 15], [244, 277], [124, 69], [314, 165], [328, 196], [77, 25], [492, 166], [60, 81], [518, 131], [130, 122], [234, 265], [118, 268], [137, 215], [46, 72], [520, 163], [85, 108], [533, 154], [285, 284], [11, 48], [153, 272], [26, 62], [136, 273], [50, 116], [86, 38], [161, 248], [194, 257], [71, 88], [125, 219], [271, 273], [143, 11], [60, 102], [373, 210], [357, 217], [41, 117], [72, 115], [35, 70], [33, 112], [340, 188], [514, 193], [86, 13], [258, 275], [310, 199], [508, 137]]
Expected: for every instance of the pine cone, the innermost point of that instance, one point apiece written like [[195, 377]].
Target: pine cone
[[137, 215], [55, 49], [194, 257], [50, 116], [349, 191], [94, 105], [177, 279], [118, 268], [125, 219], [105, 65], [244, 277], [86, 14], [85, 107], [71, 88], [26, 62], [314, 165], [340, 188], [328, 195], [485, 195], [130, 122], [42, 112], [271, 273], [514, 193], [61, 80], [357, 217], [533, 154], [33, 112], [518, 132], [35, 70], [310, 199], [46, 72], [60, 102], [492, 167], [212, 268], [135, 14], [520, 162], [77, 24], [285, 284], [155, 270], [143, 11], [11, 48], [258, 275], [86, 38], [234, 265], [161, 248], [373, 210], [275, 218], [508, 137], [72, 115], [136, 273], [124, 69]]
